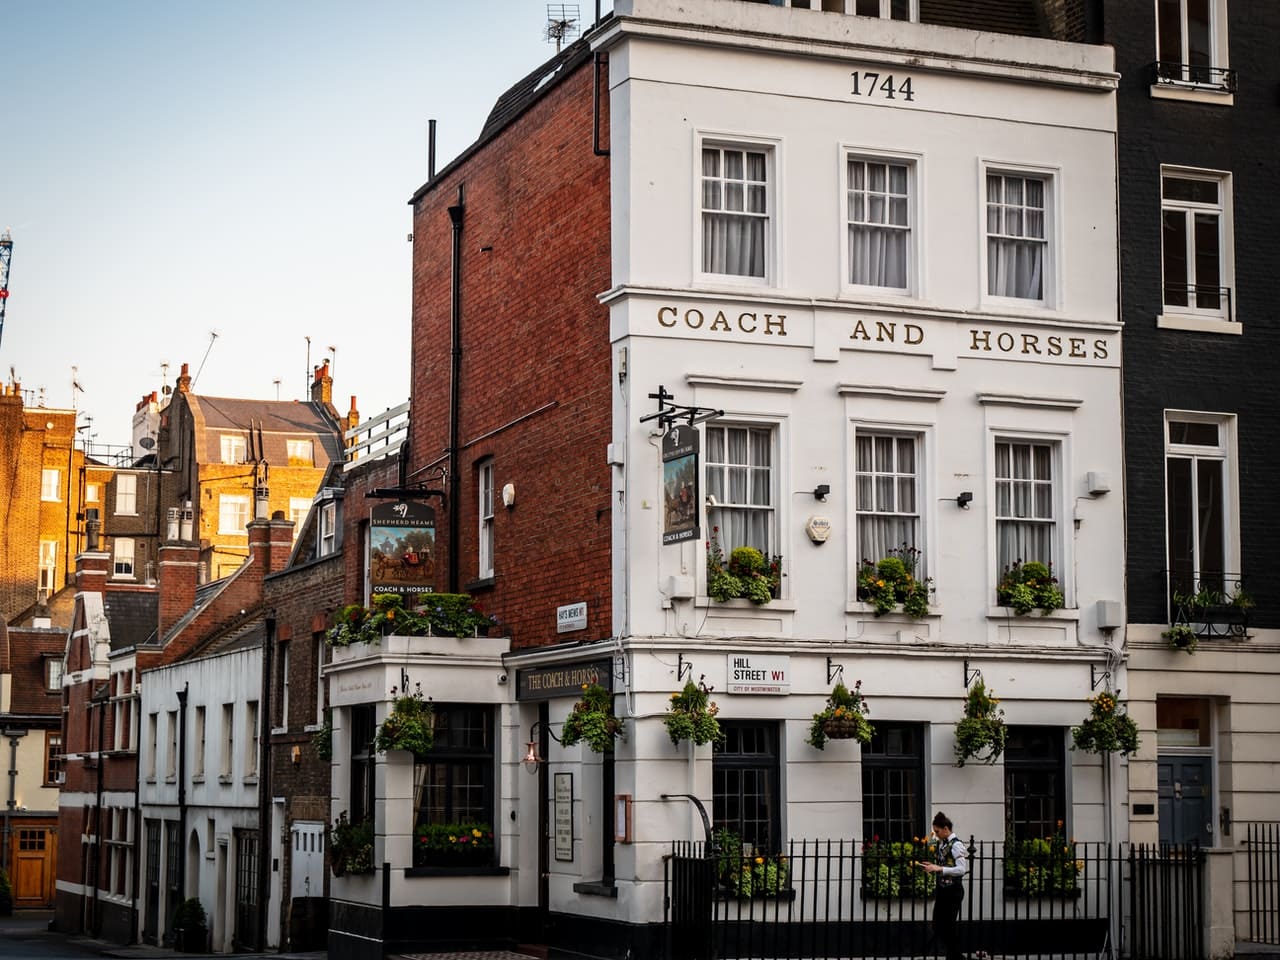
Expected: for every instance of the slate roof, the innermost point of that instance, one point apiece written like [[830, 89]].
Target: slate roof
[[275, 417], [132, 616]]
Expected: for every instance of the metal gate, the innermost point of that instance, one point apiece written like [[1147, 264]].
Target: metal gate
[[1262, 848], [690, 901], [1166, 902], [151, 922], [246, 934]]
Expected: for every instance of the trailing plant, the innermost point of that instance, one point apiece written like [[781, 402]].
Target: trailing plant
[[592, 721], [437, 614], [981, 729], [350, 846], [889, 869], [892, 580], [409, 726], [747, 573], [1042, 867], [1106, 729], [461, 842], [843, 718], [1181, 637], [1028, 586], [692, 715], [322, 740], [6, 895]]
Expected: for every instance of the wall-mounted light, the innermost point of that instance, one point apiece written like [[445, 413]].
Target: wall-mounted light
[[532, 756], [508, 495], [964, 499], [821, 490]]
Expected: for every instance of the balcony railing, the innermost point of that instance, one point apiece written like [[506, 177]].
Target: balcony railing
[[1193, 75], [1214, 604], [1199, 297]]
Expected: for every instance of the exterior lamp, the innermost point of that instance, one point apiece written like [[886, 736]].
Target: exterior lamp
[[532, 756]]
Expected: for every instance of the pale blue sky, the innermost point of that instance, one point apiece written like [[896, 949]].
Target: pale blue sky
[[173, 168]]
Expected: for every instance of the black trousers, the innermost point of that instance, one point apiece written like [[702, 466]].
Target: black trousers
[[946, 911]]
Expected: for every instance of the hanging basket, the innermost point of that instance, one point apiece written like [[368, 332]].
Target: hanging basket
[[840, 728]]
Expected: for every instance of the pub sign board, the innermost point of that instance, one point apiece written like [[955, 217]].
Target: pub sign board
[[402, 548], [680, 484], [562, 679]]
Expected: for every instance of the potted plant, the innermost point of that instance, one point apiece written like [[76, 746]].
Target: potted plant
[[439, 615], [1028, 586], [409, 725], [889, 868], [691, 715], [747, 573], [592, 721], [1106, 729], [981, 730], [350, 846], [322, 739], [843, 718], [453, 845], [1213, 613], [1042, 867], [1180, 636], [746, 873], [6, 895], [892, 580], [190, 926]]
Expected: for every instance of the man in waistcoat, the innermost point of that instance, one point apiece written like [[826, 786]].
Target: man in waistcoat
[[951, 862]]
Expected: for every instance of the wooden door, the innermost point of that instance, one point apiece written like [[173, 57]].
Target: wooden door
[[34, 855]]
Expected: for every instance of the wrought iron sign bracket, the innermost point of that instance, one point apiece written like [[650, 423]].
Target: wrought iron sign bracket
[[404, 493], [971, 675], [683, 669], [1096, 678], [834, 670], [669, 411]]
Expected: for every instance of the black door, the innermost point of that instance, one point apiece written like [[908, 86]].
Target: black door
[[246, 932], [1185, 792], [151, 927]]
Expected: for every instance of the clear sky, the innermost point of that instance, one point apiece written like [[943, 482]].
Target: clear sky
[[169, 169]]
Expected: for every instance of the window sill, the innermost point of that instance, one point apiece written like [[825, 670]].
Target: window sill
[[198, 778], [251, 781], [1197, 324], [1192, 93], [312, 727], [151, 779], [457, 871], [596, 888], [279, 730], [1068, 615], [484, 583], [860, 607], [226, 778], [172, 778], [738, 603]]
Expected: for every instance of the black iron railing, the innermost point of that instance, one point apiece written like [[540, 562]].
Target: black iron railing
[[1194, 74], [1262, 851], [1199, 296], [1214, 604], [843, 898]]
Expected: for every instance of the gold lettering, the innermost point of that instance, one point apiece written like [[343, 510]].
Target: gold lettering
[[859, 332], [1077, 346], [743, 327], [720, 323], [914, 334], [984, 336], [670, 310], [1100, 349], [781, 322], [1005, 342], [1055, 346], [688, 318], [1030, 343], [883, 328]]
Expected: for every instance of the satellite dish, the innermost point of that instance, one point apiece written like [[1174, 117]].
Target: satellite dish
[[146, 443]]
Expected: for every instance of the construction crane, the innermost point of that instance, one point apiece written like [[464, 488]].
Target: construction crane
[[6, 254]]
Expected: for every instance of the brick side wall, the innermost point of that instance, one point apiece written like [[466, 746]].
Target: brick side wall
[[1172, 369], [535, 254]]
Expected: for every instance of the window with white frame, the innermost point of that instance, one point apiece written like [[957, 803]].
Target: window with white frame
[[228, 738], [92, 492], [735, 211], [484, 486], [282, 691], [53, 674], [299, 507], [233, 448], [197, 761], [49, 565], [317, 653], [887, 9], [126, 494], [1201, 523], [50, 484], [1026, 502], [233, 514], [328, 528], [171, 761], [251, 739], [879, 218], [1191, 43], [740, 486], [123, 557], [1195, 234], [301, 453], [153, 743], [887, 477], [1017, 235]]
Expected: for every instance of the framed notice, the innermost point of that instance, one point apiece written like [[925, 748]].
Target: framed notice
[[562, 816], [680, 484]]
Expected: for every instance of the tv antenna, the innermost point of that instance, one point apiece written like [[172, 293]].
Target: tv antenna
[[213, 335], [562, 23]]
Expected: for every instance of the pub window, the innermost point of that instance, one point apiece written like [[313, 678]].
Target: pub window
[[893, 783], [454, 783], [1034, 782], [363, 728], [744, 776]]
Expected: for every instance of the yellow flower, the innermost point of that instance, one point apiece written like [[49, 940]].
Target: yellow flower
[[476, 833], [759, 859], [452, 838], [675, 696]]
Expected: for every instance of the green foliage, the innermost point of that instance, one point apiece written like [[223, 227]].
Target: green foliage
[[322, 741], [440, 843], [409, 726], [190, 914], [747, 574], [1106, 729], [892, 580], [437, 614], [692, 715], [1028, 586], [1181, 637], [843, 718], [351, 846], [981, 729], [592, 721], [6, 895], [891, 869], [747, 873], [1043, 867]]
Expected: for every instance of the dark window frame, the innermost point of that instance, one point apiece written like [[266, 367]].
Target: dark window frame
[[750, 751], [1035, 775], [457, 751], [363, 762], [891, 776]]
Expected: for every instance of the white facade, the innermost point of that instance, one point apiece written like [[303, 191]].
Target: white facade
[[221, 827]]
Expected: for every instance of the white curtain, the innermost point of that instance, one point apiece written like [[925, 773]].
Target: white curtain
[[739, 461], [888, 516], [1015, 237], [1024, 503], [878, 224], [735, 207]]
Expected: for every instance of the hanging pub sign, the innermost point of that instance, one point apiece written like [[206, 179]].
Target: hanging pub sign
[[402, 548], [680, 484]]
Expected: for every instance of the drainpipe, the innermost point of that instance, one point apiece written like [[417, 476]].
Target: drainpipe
[[135, 935], [97, 815], [182, 792], [456, 213], [265, 835], [14, 736]]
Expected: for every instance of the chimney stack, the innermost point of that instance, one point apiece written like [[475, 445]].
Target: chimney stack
[[184, 380], [322, 385]]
